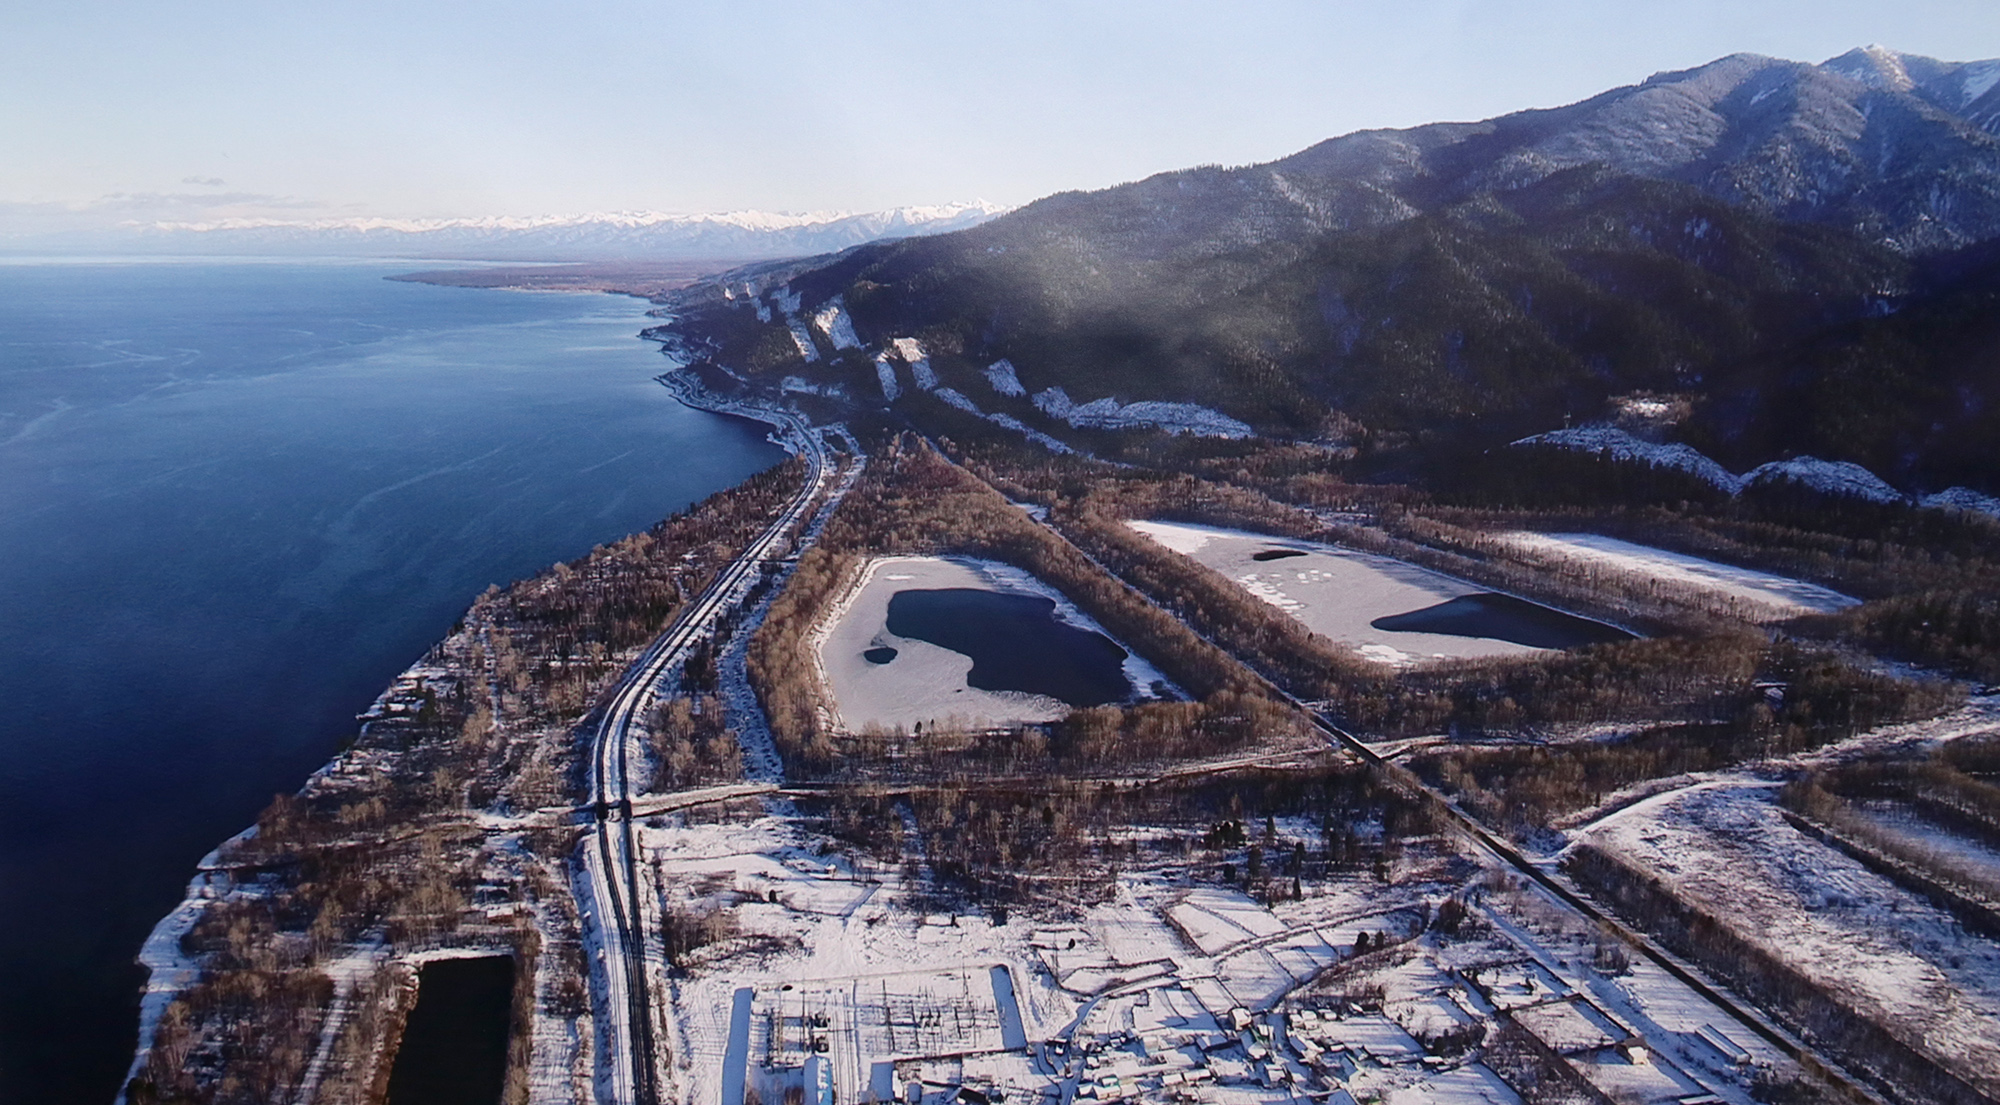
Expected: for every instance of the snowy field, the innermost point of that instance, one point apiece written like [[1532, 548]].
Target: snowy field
[[1171, 985], [1891, 954], [1334, 592], [1768, 596], [926, 682]]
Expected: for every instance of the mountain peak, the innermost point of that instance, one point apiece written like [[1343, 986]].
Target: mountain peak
[[1876, 67]]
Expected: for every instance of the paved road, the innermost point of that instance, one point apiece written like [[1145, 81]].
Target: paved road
[[629, 1071]]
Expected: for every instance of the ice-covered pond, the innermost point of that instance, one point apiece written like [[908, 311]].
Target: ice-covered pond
[[1389, 611], [969, 643]]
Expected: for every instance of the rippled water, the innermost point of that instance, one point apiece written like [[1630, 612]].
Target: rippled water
[[235, 499]]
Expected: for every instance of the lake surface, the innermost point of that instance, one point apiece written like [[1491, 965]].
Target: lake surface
[[235, 500], [454, 1048], [1016, 643]]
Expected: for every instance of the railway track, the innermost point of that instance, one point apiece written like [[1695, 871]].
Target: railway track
[[630, 1070]]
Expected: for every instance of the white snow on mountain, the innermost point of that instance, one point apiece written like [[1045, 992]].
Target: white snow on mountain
[[885, 371], [1963, 498], [1825, 476], [802, 338], [579, 237], [912, 352], [833, 321], [1831, 477], [1623, 446], [1001, 375], [1109, 414], [958, 399]]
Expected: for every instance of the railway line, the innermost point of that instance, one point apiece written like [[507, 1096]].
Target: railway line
[[629, 1071]]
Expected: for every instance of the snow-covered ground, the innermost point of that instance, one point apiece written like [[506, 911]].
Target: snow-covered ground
[[1620, 445], [832, 952], [1890, 954], [1109, 414], [1841, 478], [1832, 477], [885, 373], [1170, 982], [1334, 592], [1771, 596], [1001, 375], [926, 682], [912, 352], [833, 321]]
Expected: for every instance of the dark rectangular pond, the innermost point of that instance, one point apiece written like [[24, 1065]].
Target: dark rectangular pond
[[454, 1049], [1016, 643]]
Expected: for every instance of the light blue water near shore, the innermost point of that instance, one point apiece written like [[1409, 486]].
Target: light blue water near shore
[[235, 499]]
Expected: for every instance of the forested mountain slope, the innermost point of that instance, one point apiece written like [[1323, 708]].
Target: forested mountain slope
[[1791, 253]]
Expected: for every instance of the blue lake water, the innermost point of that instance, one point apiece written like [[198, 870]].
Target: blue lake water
[[235, 500]]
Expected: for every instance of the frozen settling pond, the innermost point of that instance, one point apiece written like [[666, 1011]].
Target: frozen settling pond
[[969, 643], [1759, 595], [1391, 612]]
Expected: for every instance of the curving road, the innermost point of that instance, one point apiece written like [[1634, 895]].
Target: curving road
[[629, 1070]]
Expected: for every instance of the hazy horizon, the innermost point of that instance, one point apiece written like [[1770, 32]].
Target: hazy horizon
[[118, 114]]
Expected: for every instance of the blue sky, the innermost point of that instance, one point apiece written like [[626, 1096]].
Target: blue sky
[[510, 107]]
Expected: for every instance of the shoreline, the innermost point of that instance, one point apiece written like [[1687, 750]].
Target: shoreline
[[648, 280], [171, 972]]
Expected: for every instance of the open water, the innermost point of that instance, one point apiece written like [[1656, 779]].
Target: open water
[[235, 500]]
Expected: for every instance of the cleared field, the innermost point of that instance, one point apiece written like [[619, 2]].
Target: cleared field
[[1880, 950], [969, 643], [1765, 595], [1391, 612]]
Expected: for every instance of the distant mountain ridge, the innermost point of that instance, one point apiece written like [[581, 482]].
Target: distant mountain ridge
[[1799, 255], [587, 237]]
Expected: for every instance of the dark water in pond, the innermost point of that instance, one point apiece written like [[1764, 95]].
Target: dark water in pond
[[1503, 618], [454, 1049], [1016, 643], [1275, 554], [235, 500]]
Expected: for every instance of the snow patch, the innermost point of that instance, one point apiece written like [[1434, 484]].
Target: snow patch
[[1964, 498], [833, 321], [886, 373], [1980, 77], [802, 338], [957, 398], [1831, 477], [1001, 375], [1619, 445], [1774, 594], [1109, 414], [912, 352]]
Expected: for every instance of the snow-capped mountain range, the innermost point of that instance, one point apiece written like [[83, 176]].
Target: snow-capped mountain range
[[649, 235]]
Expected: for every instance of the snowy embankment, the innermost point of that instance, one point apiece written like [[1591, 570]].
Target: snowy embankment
[[833, 321], [1771, 595], [1001, 375], [1828, 477], [1884, 952], [1109, 414]]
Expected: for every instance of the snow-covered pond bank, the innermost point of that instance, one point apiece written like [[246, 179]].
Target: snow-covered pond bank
[[1763, 595], [919, 641], [1389, 611]]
